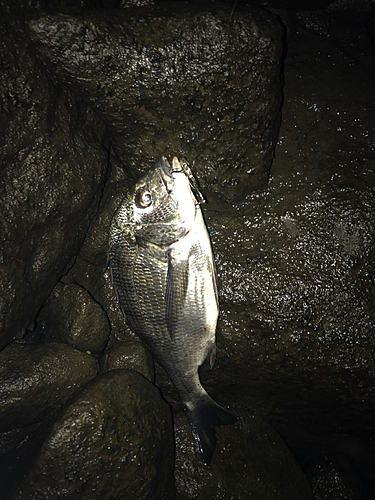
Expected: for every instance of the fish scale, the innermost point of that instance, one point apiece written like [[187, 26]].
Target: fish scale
[[163, 273]]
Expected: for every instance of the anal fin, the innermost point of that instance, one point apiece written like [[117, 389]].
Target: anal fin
[[209, 361]]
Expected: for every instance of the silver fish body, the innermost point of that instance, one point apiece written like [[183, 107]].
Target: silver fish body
[[162, 266]]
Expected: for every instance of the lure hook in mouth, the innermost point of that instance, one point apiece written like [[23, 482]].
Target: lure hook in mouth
[[166, 173], [183, 167]]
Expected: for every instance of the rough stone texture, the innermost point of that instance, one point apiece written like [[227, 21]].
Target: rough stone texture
[[343, 474], [72, 316], [177, 79], [37, 380], [296, 266], [98, 281], [351, 10], [115, 441], [296, 263], [95, 247], [294, 5], [131, 354], [347, 9], [316, 21], [250, 461], [52, 168]]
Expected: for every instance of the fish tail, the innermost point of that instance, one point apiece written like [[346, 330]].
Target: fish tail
[[203, 416]]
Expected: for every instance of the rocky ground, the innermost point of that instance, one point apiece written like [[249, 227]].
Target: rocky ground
[[273, 104]]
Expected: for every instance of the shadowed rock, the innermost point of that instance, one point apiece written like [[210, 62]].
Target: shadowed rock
[[251, 461], [115, 441], [53, 167], [37, 380], [296, 264], [131, 354], [98, 282], [72, 316], [177, 79]]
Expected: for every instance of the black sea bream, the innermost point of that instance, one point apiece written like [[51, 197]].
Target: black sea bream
[[163, 273]]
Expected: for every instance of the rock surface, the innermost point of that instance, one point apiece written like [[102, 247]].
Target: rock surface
[[98, 281], [95, 246], [250, 461], [37, 380], [293, 5], [295, 262], [115, 441], [72, 316], [131, 354], [53, 167], [347, 473], [177, 79]]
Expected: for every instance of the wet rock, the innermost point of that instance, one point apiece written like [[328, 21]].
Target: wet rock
[[98, 281], [371, 28], [336, 478], [72, 316], [135, 3], [250, 457], [95, 247], [351, 10], [53, 168], [345, 472], [131, 355], [19, 448], [12, 439], [315, 21], [296, 262], [177, 79], [37, 380], [287, 20], [114, 441], [293, 5], [355, 40]]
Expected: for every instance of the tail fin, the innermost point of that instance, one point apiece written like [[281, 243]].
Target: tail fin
[[203, 417]]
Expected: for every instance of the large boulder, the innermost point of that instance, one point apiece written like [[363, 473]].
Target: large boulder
[[72, 316], [250, 461], [37, 380], [53, 167], [115, 441], [296, 263], [177, 78], [131, 354]]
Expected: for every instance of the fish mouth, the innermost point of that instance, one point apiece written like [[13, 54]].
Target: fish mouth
[[166, 173]]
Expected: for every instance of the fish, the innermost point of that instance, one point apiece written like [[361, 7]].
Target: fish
[[163, 272]]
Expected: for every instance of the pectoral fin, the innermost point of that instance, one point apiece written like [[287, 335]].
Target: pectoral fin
[[177, 284]]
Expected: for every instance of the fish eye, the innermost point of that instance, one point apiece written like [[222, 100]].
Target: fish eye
[[144, 199]]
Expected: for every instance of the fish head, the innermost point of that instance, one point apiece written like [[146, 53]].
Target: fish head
[[164, 206]]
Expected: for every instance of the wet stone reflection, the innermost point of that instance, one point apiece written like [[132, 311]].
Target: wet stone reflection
[[272, 104]]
